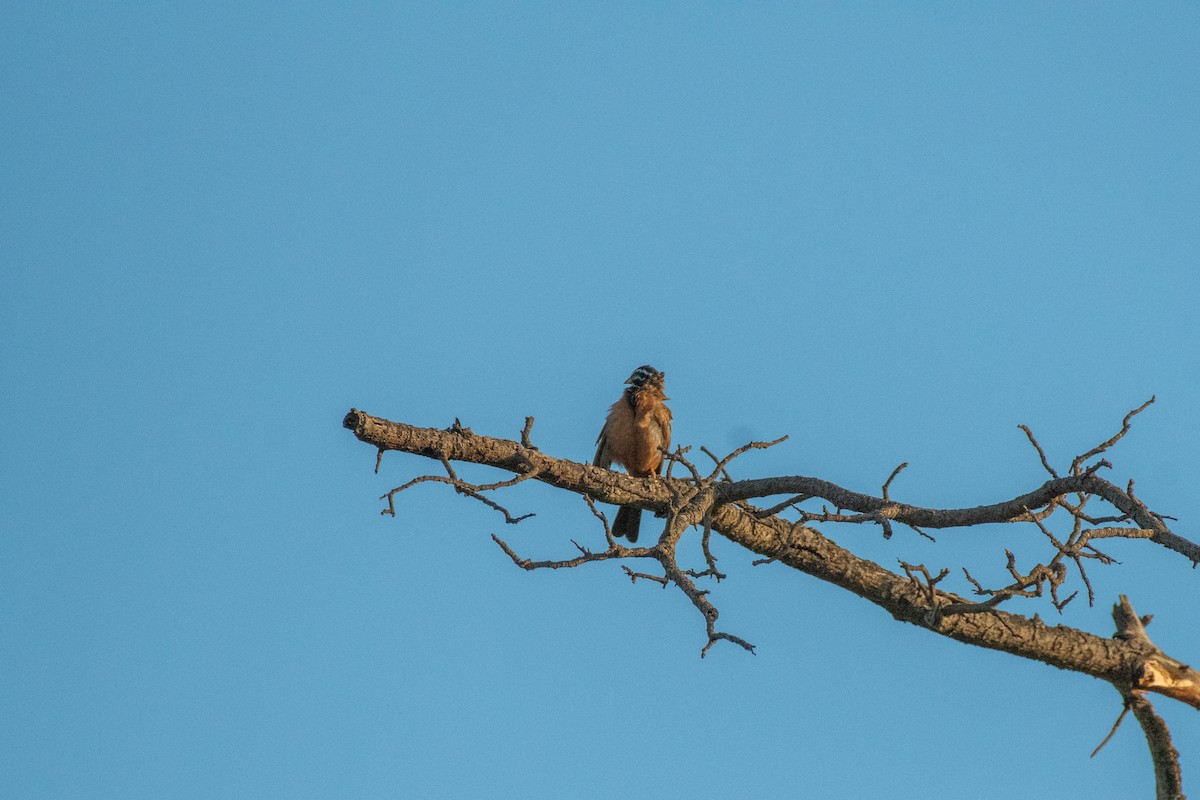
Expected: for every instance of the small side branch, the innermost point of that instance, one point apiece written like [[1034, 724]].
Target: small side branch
[[663, 551], [709, 558], [585, 557], [699, 598], [892, 477], [464, 488], [1113, 732], [1041, 453], [791, 503], [724, 462], [882, 517], [920, 577], [1077, 464], [1031, 584], [634, 577], [525, 434], [725, 476]]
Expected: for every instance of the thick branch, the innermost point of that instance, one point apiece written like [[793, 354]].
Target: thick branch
[[1013, 510], [1168, 778], [808, 551], [459, 444], [805, 549]]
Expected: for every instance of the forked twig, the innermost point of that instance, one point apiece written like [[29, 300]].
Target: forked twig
[[1103, 446]]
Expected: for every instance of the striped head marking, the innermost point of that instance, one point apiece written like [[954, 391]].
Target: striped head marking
[[646, 374]]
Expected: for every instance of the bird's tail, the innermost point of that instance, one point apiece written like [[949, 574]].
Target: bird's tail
[[627, 523]]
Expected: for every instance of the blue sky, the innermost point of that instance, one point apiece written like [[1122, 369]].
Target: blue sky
[[892, 231]]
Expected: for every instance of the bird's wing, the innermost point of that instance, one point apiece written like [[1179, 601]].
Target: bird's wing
[[602, 459]]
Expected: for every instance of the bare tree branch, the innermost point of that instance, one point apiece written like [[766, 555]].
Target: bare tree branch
[[1014, 510], [805, 549], [1103, 446], [1171, 678], [462, 487], [1041, 453], [715, 503], [1168, 778]]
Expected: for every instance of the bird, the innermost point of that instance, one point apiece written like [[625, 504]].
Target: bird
[[636, 434]]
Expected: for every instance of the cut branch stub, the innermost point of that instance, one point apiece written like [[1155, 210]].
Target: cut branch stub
[[1152, 669]]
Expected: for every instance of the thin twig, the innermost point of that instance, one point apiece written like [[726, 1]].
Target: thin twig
[[743, 449], [724, 472], [1117, 724], [1100, 448], [775, 509], [633, 577], [1041, 453], [586, 556], [891, 478], [463, 488]]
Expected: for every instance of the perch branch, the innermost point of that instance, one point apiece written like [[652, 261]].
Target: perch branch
[[807, 550]]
